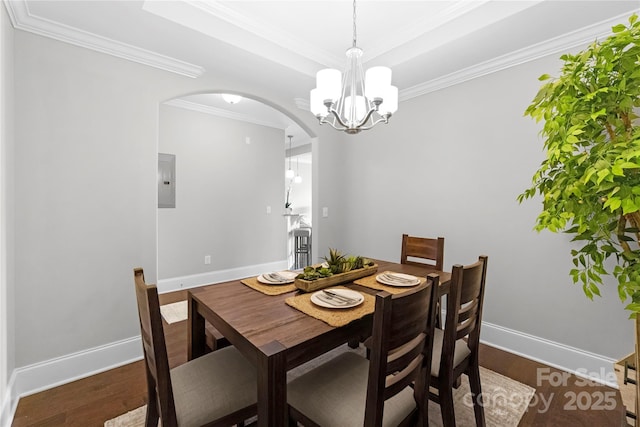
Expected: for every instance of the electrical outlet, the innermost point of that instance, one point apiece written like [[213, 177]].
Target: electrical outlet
[[325, 212], [207, 259], [268, 209]]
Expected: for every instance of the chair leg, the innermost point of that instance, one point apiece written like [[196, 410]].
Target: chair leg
[[151, 419], [446, 406], [152, 416], [476, 392]]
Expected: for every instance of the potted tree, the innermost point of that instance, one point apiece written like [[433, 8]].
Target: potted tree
[[590, 179]]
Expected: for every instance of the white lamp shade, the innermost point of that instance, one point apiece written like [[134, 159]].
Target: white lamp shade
[[376, 82], [289, 174], [390, 101], [316, 103], [329, 84], [297, 179], [360, 109]]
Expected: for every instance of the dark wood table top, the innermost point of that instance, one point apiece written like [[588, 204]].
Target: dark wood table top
[[261, 319], [262, 325]]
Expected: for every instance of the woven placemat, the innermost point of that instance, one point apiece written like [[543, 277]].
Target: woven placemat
[[253, 283], [332, 316], [371, 282]]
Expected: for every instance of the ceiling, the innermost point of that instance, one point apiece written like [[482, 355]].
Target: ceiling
[[428, 44]]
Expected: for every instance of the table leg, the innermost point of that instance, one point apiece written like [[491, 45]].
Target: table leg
[[272, 386], [196, 334]]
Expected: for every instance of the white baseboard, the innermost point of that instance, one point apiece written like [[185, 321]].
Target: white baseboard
[[62, 370], [9, 405], [195, 280], [579, 362]]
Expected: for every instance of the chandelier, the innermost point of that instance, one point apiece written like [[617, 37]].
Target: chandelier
[[332, 101]]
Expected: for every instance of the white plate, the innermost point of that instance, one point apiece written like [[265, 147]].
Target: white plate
[[290, 276], [405, 279], [323, 300]]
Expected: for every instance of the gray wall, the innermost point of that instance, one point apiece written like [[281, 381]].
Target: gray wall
[[451, 164], [7, 313], [223, 188]]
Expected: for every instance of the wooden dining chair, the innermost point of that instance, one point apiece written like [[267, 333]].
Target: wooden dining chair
[[218, 389], [455, 349], [422, 247], [350, 390], [426, 248]]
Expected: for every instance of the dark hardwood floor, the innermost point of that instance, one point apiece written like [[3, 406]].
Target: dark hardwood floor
[[561, 399]]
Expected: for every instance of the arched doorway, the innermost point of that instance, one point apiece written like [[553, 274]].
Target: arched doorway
[[229, 218]]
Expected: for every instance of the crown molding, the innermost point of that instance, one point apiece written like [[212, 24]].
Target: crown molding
[[22, 19], [220, 112], [280, 38], [417, 29], [552, 46]]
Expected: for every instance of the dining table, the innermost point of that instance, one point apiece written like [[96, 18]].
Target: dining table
[[275, 336]]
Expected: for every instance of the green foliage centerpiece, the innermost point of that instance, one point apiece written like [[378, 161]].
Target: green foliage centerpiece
[[590, 179], [337, 268]]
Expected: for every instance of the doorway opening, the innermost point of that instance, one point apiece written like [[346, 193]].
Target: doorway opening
[[229, 215]]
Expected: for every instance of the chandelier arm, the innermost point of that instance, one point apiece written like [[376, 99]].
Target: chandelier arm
[[366, 118], [334, 126], [338, 118], [361, 124], [382, 119]]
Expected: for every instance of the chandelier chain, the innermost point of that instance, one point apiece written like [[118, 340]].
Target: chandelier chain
[[354, 23]]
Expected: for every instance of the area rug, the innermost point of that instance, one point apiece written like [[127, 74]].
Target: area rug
[[175, 312], [505, 400]]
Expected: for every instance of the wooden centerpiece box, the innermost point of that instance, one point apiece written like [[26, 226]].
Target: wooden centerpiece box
[[335, 279]]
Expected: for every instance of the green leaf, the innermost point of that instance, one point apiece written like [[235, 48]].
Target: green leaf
[[618, 28], [628, 206], [613, 203]]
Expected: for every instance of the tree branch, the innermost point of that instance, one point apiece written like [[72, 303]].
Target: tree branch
[[622, 222]]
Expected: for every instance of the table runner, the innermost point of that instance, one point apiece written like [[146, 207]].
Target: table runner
[[253, 283], [332, 316], [371, 282]]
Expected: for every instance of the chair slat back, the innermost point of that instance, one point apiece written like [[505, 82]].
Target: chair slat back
[[422, 247], [464, 304], [402, 341], [155, 349]]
